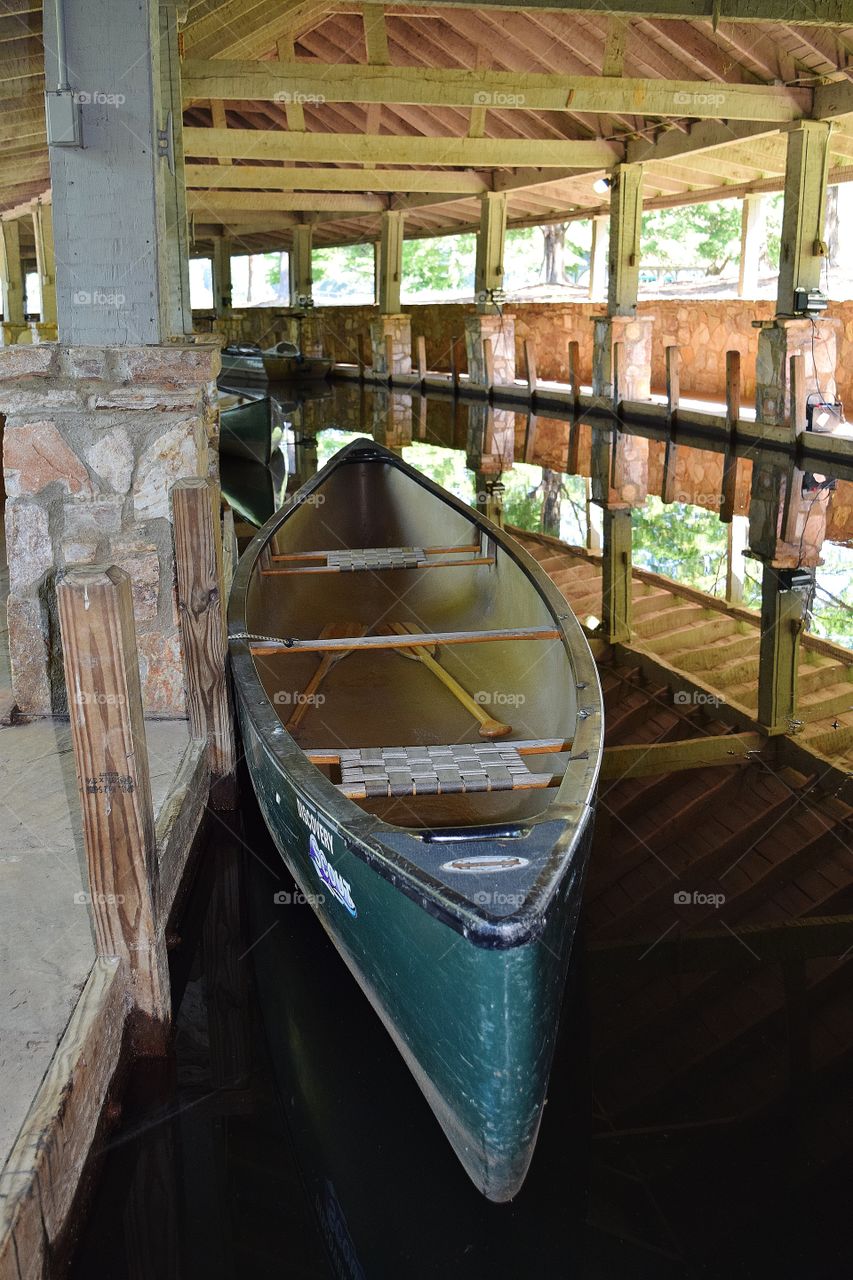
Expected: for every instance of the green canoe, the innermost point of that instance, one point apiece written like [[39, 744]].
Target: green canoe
[[250, 428], [446, 866]]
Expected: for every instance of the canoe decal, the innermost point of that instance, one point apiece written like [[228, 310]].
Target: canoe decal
[[331, 878], [483, 863]]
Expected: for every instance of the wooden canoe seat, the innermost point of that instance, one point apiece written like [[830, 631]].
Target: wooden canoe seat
[[375, 559], [375, 772]]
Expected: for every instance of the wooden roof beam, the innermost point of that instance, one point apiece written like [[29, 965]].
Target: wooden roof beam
[[254, 177], [502, 90], [330, 148], [284, 201], [799, 12]]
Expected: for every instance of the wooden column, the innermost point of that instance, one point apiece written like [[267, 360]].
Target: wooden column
[[201, 610], [733, 390], [117, 232], [489, 265], [784, 595], [45, 261], [626, 212], [390, 263], [300, 275], [222, 275], [108, 734], [803, 249], [594, 521], [737, 541], [616, 575], [751, 229], [11, 273], [673, 395], [598, 259]]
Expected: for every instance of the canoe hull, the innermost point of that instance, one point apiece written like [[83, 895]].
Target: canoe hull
[[475, 1025], [292, 369]]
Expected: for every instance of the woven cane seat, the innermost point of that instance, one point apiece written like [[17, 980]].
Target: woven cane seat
[[410, 771], [376, 558]]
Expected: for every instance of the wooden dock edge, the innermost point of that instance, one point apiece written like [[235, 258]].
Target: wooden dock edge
[[178, 822], [40, 1179]]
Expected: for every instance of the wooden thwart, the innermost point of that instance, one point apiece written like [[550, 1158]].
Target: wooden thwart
[[376, 560], [262, 647]]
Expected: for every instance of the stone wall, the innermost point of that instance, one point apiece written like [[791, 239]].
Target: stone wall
[[94, 439], [704, 330]]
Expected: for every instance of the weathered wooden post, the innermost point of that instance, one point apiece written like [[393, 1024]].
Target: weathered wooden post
[[530, 362], [365, 356], [454, 364], [489, 367], [673, 395], [798, 395], [389, 358], [420, 346], [230, 550], [784, 594], [616, 574], [99, 655], [575, 376], [729, 485], [573, 453], [201, 610]]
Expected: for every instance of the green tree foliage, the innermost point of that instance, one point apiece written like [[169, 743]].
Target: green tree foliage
[[698, 235], [444, 264], [342, 272], [682, 542]]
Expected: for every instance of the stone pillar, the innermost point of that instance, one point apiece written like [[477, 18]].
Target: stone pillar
[[399, 328], [11, 281], [392, 419], [500, 330], [300, 275], [389, 277], [634, 333], [94, 439], [780, 339]]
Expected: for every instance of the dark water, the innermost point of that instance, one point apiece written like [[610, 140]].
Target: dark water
[[287, 1138]]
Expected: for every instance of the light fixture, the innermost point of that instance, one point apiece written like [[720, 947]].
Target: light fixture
[[601, 186]]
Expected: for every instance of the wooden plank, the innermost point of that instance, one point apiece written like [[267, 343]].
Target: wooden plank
[[616, 576], [530, 362], [489, 363], [610, 94], [263, 647], [246, 177], [427, 564], [420, 348], [178, 822], [729, 483], [649, 759], [198, 564], [108, 734], [349, 148], [214, 202], [673, 395], [42, 1175], [802, 12]]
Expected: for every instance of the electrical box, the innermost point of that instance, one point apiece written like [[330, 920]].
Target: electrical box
[[810, 302], [822, 417], [62, 118]]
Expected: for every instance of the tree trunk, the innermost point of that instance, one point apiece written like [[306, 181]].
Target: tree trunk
[[249, 262], [552, 489], [554, 234]]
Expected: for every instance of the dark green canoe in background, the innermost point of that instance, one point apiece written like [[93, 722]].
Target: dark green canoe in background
[[421, 717], [250, 428]]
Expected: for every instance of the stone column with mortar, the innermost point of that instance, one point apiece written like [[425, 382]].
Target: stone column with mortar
[[621, 324], [500, 331], [94, 439], [391, 321], [399, 328], [490, 322]]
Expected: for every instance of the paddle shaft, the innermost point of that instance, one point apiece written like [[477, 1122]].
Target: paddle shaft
[[489, 726], [328, 661]]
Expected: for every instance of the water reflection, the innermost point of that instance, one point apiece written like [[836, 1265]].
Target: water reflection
[[546, 474]]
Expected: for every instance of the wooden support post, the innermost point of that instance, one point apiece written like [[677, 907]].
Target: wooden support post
[[488, 266], [617, 360], [222, 275], [389, 357], [616, 576], [454, 364], [575, 376], [301, 275], [198, 562], [45, 260], [673, 395], [784, 595], [626, 213], [422, 403], [803, 250], [729, 485], [230, 552], [365, 356], [594, 521], [390, 262], [573, 452], [798, 395], [598, 260], [751, 227], [420, 347], [101, 664], [12, 287], [737, 541], [489, 366], [530, 359]]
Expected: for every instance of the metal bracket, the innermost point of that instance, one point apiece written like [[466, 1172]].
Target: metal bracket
[[166, 144]]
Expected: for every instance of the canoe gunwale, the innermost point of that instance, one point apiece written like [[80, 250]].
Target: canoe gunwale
[[362, 832]]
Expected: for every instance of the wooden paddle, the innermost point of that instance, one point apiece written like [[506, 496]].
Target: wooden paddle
[[333, 631], [489, 726]]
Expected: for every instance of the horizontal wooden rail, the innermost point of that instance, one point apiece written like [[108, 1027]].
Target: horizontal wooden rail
[[379, 568], [262, 647], [693, 753], [320, 555], [528, 747]]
